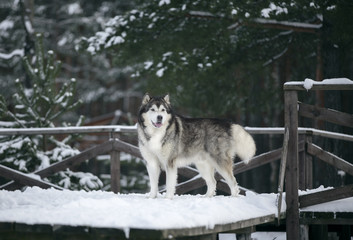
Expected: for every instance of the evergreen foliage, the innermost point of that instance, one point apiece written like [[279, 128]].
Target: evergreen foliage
[[41, 106], [212, 56]]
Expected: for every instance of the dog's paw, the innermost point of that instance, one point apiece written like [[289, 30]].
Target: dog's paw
[[152, 195], [169, 196], [210, 194], [235, 192]]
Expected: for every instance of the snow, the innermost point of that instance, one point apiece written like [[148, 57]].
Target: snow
[[163, 2], [342, 205], [16, 52], [125, 211], [309, 83], [148, 64], [6, 24], [160, 72], [273, 8], [74, 8]]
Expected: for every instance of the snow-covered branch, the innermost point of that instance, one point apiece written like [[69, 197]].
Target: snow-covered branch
[[16, 52], [285, 25]]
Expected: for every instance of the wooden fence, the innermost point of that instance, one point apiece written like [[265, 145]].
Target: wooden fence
[[296, 154], [299, 167], [114, 146]]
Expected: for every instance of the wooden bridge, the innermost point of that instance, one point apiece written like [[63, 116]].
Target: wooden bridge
[[296, 167]]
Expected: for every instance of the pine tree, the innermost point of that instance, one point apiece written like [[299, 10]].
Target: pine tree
[[41, 106]]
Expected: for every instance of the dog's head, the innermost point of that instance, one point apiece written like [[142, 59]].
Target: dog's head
[[155, 111]]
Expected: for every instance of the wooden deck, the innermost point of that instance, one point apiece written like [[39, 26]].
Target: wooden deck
[[42, 231]]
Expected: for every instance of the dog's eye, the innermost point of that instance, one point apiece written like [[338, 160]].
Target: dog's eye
[[163, 110], [152, 110]]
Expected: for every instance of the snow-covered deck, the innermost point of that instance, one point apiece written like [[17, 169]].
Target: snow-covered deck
[[136, 215], [131, 214]]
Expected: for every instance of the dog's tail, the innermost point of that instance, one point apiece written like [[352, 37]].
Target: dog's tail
[[244, 144]]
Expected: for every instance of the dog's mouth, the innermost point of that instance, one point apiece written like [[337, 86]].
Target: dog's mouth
[[157, 124]]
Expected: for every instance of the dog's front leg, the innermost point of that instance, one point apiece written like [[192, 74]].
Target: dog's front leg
[[153, 170], [171, 175]]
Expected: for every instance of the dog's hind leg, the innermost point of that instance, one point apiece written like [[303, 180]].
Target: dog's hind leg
[[207, 173], [153, 170], [225, 168]]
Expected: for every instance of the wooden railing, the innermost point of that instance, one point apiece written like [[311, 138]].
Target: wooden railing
[[299, 166], [113, 146]]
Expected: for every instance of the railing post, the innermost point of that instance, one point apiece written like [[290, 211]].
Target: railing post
[[292, 182], [308, 162], [114, 168], [302, 166]]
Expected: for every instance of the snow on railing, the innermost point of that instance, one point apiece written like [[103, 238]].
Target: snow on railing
[[326, 84], [69, 130], [133, 129]]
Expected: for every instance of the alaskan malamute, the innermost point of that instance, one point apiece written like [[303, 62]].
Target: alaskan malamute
[[168, 141]]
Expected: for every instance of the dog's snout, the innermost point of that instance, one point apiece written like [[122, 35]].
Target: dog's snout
[[159, 118]]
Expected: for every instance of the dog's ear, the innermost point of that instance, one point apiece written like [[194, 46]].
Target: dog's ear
[[166, 99], [146, 98]]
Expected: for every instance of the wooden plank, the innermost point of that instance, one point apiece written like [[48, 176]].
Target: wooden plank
[[308, 164], [262, 159], [68, 130], [326, 196], [291, 122], [324, 218], [121, 146], [330, 158], [257, 161], [282, 171], [295, 86], [329, 115], [74, 160], [115, 171], [301, 165], [67, 163], [24, 179], [188, 172], [12, 229], [198, 231]]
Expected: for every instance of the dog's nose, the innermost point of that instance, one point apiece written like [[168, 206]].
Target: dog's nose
[[159, 118]]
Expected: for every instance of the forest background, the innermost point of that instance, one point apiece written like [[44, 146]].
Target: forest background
[[226, 59]]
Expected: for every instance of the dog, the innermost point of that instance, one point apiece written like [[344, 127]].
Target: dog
[[168, 141]]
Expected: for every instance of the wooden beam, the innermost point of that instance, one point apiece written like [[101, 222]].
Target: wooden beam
[[330, 158], [299, 86], [25, 179], [92, 152], [115, 171], [67, 163], [329, 115], [48, 231], [121, 146], [325, 218], [291, 181], [68, 130], [282, 171], [326, 196]]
